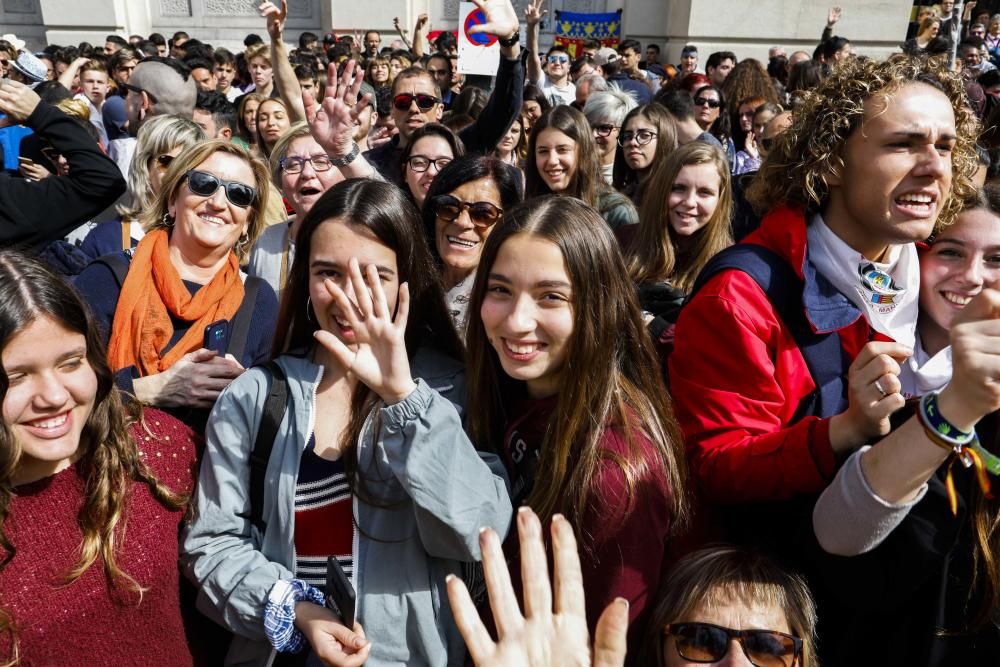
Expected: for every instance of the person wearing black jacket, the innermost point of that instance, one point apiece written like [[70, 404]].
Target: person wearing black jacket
[[35, 213], [503, 107]]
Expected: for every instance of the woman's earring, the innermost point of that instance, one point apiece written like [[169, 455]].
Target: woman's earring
[[309, 310], [168, 220], [241, 245]]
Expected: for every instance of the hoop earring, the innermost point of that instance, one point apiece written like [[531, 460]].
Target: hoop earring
[[309, 311], [241, 245], [167, 220]]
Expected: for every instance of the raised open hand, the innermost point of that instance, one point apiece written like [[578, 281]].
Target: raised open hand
[[375, 351], [501, 19], [275, 13], [332, 122], [534, 13], [833, 15], [540, 636]]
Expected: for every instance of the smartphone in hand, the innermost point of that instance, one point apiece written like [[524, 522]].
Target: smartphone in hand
[[340, 597], [217, 337]]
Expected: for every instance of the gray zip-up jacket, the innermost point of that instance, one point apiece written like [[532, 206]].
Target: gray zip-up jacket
[[443, 492]]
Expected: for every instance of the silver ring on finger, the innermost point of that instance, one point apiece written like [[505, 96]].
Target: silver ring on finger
[[882, 391]]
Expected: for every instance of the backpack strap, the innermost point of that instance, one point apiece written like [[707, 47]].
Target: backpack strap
[[118, 263], [274, 411], [823, 353], [240, 324]]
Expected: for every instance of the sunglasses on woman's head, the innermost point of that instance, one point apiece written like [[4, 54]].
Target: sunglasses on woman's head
[[425, 102], [704, 642], [204, 184], [482, 213], [704, 101]]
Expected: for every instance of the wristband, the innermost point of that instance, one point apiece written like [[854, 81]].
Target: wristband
[[939, 428], [508, 42]]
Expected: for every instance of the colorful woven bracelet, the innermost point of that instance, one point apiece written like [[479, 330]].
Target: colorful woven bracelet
[[941, 428]]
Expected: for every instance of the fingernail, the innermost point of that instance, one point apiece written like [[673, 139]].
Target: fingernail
[[558, 517], [449, 578], [522, 509], [622, 601]]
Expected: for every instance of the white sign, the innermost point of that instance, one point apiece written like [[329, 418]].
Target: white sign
[[478, 53]]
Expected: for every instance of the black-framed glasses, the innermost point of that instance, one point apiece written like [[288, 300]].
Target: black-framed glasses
[[425, 102], [137, 90], [294, 164], [205, 184], [704, 101], [481, 213], [604, 130], [705, 642], [641, 137], [420, 163], [164, 160]]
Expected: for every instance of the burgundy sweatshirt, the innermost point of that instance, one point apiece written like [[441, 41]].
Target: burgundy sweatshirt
[[86, 622], [625, 548]]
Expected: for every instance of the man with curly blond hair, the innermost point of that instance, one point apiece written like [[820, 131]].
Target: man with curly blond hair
[[787, 356]]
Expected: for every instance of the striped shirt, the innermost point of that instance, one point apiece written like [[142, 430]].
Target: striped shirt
[[324, 520]]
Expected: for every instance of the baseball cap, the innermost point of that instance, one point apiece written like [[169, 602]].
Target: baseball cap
[[605, 55]]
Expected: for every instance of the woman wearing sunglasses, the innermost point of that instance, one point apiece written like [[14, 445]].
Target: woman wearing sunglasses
[[185, 276], [160, 140], [713, 117], [463, 204], [430, 149], [647, 139], [727, 606], [562, 160]]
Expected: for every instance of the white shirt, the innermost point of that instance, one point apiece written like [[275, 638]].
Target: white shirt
[[557, 95]]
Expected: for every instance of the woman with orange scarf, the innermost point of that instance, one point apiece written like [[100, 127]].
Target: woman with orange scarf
[[185, 276]]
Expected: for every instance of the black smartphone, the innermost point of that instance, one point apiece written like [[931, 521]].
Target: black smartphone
[[217, 337], [339, 592]]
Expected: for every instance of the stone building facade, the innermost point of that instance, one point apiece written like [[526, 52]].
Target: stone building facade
[[875, 26]]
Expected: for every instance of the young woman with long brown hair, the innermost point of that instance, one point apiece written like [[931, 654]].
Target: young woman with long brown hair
[[681, 229], [370, 465], [562, 160], [563, 375], [78, 463]]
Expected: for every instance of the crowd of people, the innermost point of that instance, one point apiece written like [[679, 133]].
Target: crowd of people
[[328, 356]]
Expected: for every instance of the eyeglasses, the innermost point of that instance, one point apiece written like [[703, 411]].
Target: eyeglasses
[[558, 59], [481, 213], [420, 164], [704, 642], [704, 101], [294, 164], [641, 137], [204, 184], [604, 130], [137, 90], [404, 101], [164, 160]]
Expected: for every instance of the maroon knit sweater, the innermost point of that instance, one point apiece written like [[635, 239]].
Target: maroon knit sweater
[[86, 622]]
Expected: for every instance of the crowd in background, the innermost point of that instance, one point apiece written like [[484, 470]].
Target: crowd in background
[[331, 355]]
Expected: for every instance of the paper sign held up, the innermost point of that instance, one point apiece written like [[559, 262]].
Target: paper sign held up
[[477, 53]]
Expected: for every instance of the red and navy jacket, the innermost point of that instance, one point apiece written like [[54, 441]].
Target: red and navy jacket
[[738, 377]]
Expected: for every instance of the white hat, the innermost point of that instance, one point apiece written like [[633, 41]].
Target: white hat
[[12, 38]]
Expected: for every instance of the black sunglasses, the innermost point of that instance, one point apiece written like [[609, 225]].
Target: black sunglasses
[[704, 101], [204, 184], [403, 101], [704, 642], [482, 213]]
